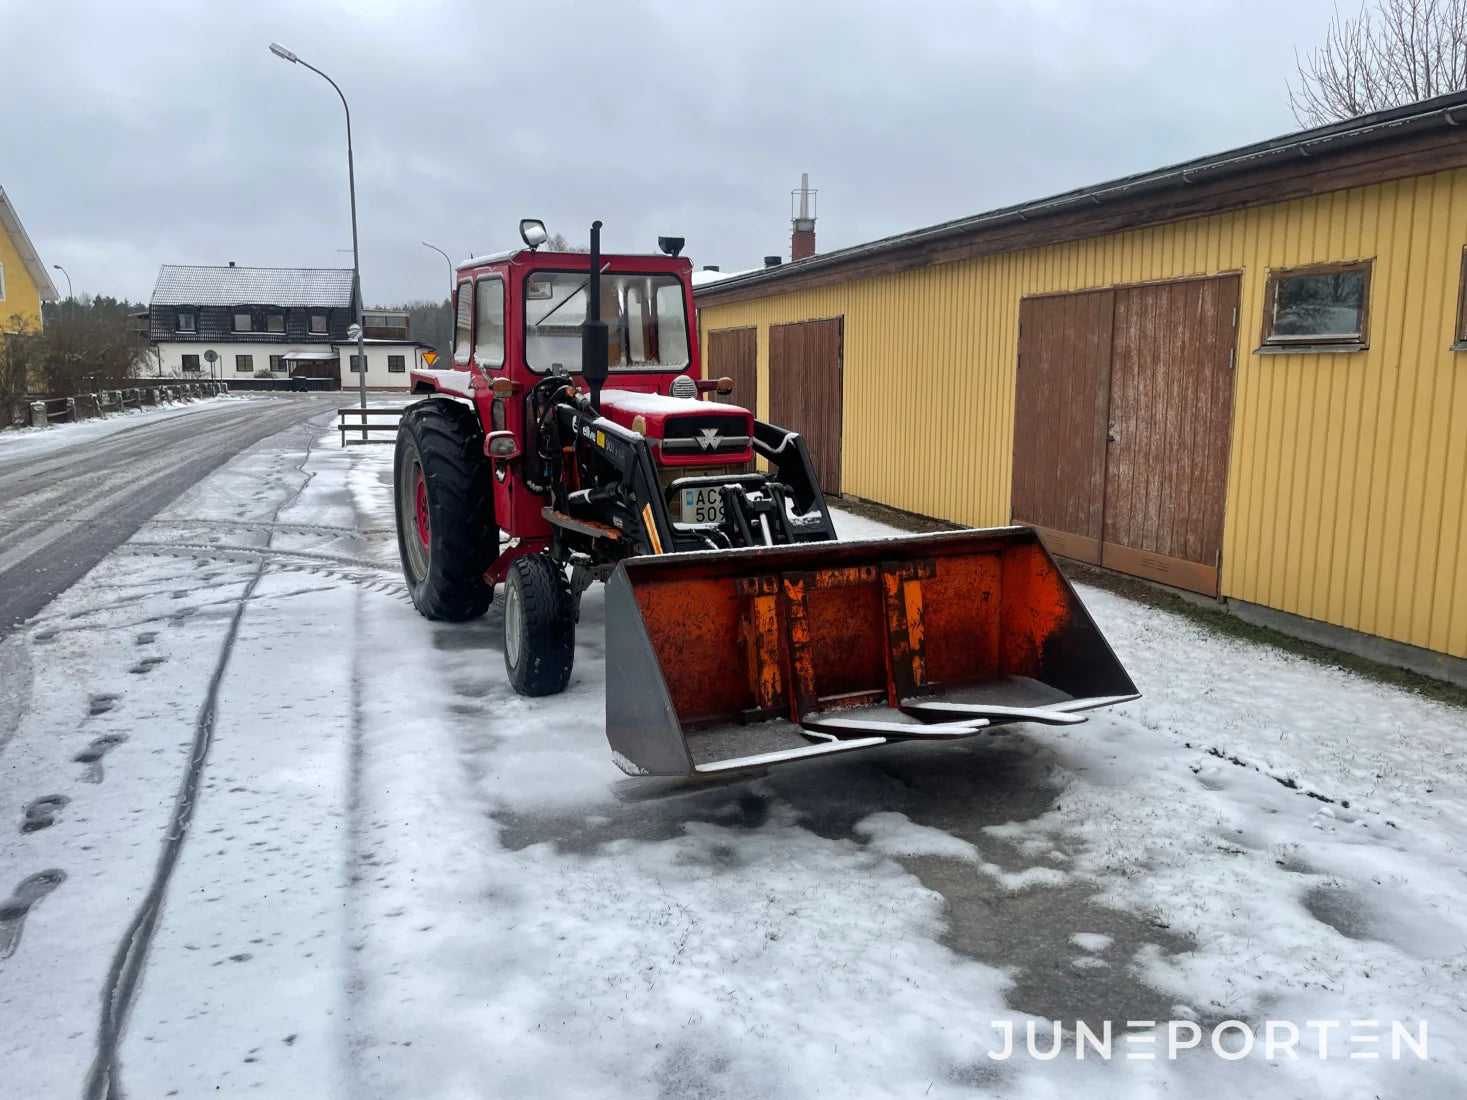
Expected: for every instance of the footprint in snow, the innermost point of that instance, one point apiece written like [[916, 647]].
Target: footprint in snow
[[101, 704], [41, 813], [13, 910], [93, 753], [147, 637], [147, 664]]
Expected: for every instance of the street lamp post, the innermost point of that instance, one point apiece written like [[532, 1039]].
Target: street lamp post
[[446, 260], [356, 263], [61, 269]]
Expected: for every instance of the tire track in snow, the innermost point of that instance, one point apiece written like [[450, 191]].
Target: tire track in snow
[[104, 1078]]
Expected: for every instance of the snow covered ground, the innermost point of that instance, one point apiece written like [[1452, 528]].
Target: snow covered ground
[[30, 442], [397, 878]]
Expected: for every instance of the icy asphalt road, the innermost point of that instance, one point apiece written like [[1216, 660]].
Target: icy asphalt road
[[266, 832], [64, 508]]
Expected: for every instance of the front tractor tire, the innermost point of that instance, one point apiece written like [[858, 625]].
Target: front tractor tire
[[444, 492], [539, 626]]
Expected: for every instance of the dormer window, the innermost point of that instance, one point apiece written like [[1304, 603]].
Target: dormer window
[[243, 322], [318, 324], [275, 322], [188, 322]]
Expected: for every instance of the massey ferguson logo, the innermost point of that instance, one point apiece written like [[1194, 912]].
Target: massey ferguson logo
[[708, 439]]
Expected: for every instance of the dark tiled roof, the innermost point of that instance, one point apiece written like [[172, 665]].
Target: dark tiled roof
[[180, 285]]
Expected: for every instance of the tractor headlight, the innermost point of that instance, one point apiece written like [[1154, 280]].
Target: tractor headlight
[[501, 445], [683, 386], [532, 232]]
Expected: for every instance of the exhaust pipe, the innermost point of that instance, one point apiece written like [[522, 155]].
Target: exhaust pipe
[[595, 340]]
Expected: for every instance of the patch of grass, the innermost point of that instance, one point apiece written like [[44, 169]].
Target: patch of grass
[[1205, 613]]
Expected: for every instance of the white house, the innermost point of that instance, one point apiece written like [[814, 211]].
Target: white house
[[273, 323]]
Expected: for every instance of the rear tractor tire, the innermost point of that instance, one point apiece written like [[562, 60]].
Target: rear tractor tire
[[444, 492], [539, 626]]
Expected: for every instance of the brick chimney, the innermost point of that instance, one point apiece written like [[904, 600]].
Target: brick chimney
[[802, 236]]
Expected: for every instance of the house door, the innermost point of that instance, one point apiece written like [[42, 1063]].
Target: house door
[[805, 390], [734, 353], [1122, 426]]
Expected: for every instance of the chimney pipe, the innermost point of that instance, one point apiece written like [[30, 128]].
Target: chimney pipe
[[231, 263], [802, 233], [710, 267]]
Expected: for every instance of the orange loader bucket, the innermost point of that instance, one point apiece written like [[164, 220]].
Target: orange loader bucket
[[738, 659]]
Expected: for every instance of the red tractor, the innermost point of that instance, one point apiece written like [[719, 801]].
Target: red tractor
[[571, 443]]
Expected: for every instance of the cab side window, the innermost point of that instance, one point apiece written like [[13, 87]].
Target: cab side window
[[464, 315], [489, 323]]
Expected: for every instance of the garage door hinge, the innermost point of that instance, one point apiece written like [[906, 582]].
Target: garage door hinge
[[1232, 355], [1235, 316]]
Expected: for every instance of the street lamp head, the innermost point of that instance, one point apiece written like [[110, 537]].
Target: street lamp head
[[56, 266], [280, 51]]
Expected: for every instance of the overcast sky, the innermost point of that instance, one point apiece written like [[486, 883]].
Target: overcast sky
[[140, 132]]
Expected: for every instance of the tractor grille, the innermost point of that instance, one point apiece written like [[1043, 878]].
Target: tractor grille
[[690, 435]]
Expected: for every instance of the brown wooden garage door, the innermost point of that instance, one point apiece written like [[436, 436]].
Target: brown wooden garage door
[[1122, 424], [734, 353], [1059, 422], [805, 390]]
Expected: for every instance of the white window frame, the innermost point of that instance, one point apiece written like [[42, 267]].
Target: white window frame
[[249, 317], [325, 325], [193, 329]]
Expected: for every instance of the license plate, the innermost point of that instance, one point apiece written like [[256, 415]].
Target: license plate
[[702, 506]]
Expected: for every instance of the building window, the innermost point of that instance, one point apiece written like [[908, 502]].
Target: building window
[[1461, 341], [356, 364], [489, 334], [243, 322], [277, 363], [318, 324], [244, 363], [188, 322], [397, 364], [1324, 305], [275, 322], [464, 317], [191, 364]]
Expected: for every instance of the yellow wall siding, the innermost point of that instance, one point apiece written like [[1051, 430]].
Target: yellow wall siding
[[21, 295], [1346, 485]]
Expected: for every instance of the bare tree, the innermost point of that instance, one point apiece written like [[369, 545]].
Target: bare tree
[[1398, 52], [558, 243]]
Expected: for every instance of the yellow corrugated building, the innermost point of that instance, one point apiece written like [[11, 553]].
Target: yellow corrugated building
[[24, 283], [1246, 375]]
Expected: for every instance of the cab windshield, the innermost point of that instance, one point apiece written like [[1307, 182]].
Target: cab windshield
[[647, 325]]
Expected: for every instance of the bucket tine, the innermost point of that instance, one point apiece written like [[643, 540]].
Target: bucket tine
[[745, 658]]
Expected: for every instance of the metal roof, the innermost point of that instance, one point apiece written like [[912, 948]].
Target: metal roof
[[182, 285], [10, 221], [1446, 110]]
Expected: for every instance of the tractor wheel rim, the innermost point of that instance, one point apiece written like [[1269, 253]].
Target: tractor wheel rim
[[513, 624], [412, 503], [420, 504]]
